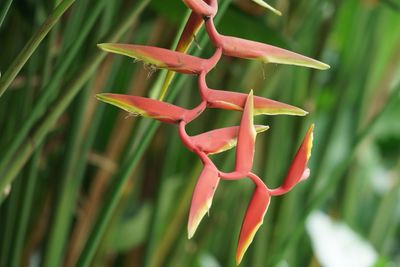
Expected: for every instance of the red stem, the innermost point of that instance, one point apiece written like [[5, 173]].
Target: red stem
[[278, 191], [192, 114], [213, 4], [187, 141], [213, 60], [213, 34], [238, 175], [185, 138], [202, 84]]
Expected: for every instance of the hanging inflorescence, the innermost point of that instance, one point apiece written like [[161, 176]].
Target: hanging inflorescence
[[219, 140]]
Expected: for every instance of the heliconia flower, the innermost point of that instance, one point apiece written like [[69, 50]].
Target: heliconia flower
[[192, 26], [235, 101], [203, 8], [298, 169], [220, 140], [158, 57], [242, 48], [265, 5], [145, 107], [202, 197], [246, 139], [253, 219]]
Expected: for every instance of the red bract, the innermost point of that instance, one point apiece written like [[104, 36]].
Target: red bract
[[237, 47], [159, 57], [219, 140], [145, 107], [235, 101], [202, 197], [253, 219], [298, 169], [242, 48], [246, 139]]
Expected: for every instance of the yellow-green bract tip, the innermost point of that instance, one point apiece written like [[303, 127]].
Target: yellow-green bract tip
[[261, 128], [102, 46], [265, 5]]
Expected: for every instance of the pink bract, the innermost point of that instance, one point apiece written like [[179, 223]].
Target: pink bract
[[246, 139], [220, 140], [202, 197]]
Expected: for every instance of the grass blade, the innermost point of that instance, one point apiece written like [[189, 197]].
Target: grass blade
[[31, 46], [4, 11], [63, 102]]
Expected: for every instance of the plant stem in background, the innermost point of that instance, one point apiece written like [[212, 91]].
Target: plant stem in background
[[4, 10], [31, 46], [60, 106]]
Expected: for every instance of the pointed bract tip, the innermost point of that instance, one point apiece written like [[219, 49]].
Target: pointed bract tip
[[103, 46], [202, 197], [322, 66], [100, 96], [292, 58], [103, 97], [241, 251], [261, 128], [195, 219], [265, 5], [310, 140], [253, 219], [118, 101], [190, 233]]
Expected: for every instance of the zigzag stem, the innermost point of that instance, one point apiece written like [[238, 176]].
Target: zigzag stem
[[212, 33], [187, 142], [238, 175]]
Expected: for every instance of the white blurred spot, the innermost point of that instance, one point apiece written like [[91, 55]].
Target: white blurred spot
[[7, 190], [207, 260], [336, 245]]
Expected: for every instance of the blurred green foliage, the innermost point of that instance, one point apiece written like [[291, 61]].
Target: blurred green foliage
[[87, 185]]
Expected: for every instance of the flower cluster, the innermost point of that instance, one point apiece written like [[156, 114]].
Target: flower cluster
[[219, 140]]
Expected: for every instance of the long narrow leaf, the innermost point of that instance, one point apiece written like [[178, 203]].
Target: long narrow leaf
[[31, 46]]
